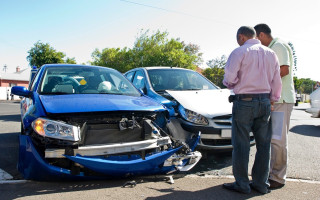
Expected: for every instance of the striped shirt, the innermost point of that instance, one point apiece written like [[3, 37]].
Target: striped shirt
[[253, 69]]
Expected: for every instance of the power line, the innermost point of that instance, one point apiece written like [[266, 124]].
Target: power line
[[178, 12], [204, 18]]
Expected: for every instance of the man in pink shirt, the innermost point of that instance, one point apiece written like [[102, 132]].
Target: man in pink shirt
[[252, 71]]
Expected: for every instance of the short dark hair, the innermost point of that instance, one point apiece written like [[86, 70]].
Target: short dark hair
[[264, 28], [247, 31]]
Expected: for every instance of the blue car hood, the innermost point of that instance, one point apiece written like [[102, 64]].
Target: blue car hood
[[77, 103]]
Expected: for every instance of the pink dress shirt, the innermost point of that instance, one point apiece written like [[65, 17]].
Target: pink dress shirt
[[253, 69]]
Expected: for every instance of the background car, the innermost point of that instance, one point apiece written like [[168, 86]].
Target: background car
[[298, 99], [314, 103], [195, 104], [80, 122]]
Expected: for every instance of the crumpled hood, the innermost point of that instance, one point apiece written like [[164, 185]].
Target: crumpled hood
[[77, 103], [209, 103]]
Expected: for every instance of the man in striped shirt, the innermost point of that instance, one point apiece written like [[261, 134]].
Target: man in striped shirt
[[252, 71]]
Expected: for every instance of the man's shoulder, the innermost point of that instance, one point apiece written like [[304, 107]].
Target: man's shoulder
[[245, 47], [267, 50], [278, 44], [280, 48], [237, 50]]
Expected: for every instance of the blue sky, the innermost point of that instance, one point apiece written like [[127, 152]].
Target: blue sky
[[77, 27]]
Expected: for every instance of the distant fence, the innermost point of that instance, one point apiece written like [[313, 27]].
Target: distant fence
[[5, 94], [305, 97]]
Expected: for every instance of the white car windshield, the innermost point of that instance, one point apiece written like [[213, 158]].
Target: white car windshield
[[85, 80], [176, 79]]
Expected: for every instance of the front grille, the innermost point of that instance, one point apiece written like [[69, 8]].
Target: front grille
[[220, 142], [216, 142], [223, 120], [106, 134]]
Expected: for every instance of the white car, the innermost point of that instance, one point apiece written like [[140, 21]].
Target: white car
[[315, 103], [195, 104]]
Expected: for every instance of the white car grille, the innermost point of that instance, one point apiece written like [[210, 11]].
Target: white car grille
[[223, 121]]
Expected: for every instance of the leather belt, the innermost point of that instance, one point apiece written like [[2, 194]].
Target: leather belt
[[252, 96]]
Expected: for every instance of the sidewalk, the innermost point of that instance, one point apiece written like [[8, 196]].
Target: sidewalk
[[188, 187], [302, 106], [10, 101]]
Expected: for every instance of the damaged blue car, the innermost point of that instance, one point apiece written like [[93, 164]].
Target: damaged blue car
[[86, 122]]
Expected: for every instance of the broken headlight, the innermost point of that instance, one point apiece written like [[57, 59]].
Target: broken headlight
[[55, 129], [192, 116]]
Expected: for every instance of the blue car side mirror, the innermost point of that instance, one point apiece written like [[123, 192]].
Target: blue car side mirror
[[143, 90], [20, 91]]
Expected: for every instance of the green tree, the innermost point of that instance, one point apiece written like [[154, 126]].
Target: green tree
[[119, 59], [71, 61], [297, 84], [215, 72], [304, 85], [42, 54], [150, 50]]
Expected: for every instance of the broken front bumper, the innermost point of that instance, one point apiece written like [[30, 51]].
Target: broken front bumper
[[33, 166]]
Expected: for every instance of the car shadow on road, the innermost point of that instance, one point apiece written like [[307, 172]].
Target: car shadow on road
[[44, 189], [9, 149], [215, 192], [10, 118], [307, 130], [302, 109], [212, 163], [35, 188]]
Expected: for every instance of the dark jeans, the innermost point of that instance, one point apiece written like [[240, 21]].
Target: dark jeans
[[253, 115]]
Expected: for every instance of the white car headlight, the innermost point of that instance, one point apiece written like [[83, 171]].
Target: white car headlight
[[192, 116], [54, 129]]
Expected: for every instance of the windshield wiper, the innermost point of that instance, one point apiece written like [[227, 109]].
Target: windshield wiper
[[54, 93], [160, 90]]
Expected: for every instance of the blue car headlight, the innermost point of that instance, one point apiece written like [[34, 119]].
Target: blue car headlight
[[55, 129], [192, 116]]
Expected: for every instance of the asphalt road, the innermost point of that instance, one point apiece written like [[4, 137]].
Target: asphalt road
[[304, 150], [186, 188], [9, 133], [304, 162]]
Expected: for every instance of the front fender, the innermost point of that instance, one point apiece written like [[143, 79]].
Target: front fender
[[34, 110]]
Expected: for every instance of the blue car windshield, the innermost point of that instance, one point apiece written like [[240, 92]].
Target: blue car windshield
[[85, 80], [176, 79]]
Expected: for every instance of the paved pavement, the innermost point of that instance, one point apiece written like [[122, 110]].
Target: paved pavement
[[188, 187]]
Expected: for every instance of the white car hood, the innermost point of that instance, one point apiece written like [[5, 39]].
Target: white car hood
[[209, 103]]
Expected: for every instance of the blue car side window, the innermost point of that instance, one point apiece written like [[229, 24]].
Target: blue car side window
[[139, 80], [130, 75], [34, 81]]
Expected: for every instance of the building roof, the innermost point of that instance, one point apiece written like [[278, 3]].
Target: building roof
[[22, 75], [199, 70]]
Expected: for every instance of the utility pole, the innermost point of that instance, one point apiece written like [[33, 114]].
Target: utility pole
[[5, 68]]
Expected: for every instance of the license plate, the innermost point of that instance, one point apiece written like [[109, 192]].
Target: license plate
[[226, 133]]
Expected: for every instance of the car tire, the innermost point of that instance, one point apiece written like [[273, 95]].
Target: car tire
[[22, 129]]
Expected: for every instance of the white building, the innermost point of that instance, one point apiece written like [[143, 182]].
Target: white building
[[8, 80]]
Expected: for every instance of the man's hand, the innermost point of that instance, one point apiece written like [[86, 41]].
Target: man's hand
[[272, 105], [284, 70]]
